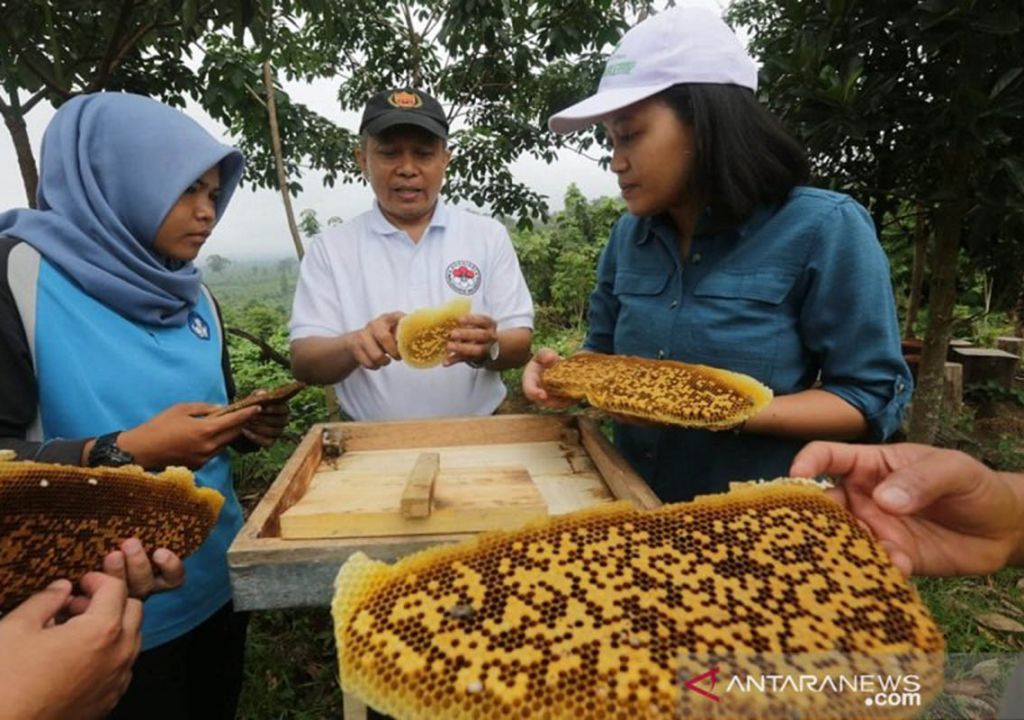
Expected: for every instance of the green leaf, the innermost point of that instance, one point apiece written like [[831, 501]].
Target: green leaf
[[1005, 80]]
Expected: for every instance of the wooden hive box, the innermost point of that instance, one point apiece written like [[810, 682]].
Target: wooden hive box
[[342, 491]]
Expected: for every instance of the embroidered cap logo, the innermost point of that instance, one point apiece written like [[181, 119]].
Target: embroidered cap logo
[[405, 100]]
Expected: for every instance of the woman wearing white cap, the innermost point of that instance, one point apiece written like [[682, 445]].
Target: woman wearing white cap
[[726, 259]]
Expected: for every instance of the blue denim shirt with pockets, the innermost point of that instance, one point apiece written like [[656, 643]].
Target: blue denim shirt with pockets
[[800, 293]]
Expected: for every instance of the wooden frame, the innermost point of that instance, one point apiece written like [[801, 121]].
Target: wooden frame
[[270, 572]]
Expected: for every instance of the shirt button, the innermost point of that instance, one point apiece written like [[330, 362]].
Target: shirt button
[[899, 386], [661, 354], [674, 303], [696, 258]]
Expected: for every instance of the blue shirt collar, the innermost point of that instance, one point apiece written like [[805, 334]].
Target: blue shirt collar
[[663, 226]]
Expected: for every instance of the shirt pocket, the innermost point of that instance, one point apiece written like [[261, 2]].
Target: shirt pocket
[[640, 328], [740, 319]]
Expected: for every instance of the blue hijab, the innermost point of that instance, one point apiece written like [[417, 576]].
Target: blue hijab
[[112, 167]]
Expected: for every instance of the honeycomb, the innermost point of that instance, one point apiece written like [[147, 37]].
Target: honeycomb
[[58, 521], [663, 391], [613, 612], [423, 334]]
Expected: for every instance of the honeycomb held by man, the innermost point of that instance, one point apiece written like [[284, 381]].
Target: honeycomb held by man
[[423, 334]]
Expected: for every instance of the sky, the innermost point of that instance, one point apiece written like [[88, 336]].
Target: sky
[[254, 225]]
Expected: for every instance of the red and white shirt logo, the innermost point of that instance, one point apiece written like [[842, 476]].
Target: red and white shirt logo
[[463, 277]]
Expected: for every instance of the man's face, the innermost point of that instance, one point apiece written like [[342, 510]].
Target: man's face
[[405, 167]]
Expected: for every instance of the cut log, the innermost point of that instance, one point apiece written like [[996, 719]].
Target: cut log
[[1014, 345], [983, 365]]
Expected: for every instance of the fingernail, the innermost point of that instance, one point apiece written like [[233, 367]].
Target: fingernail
[[894, 497], [58, 585], [132, 546], [117, 560], [162, 556]]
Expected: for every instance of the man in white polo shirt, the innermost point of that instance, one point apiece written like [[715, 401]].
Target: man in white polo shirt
[[409, 251]]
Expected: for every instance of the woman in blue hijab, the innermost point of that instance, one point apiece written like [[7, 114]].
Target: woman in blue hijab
[[113, 353]]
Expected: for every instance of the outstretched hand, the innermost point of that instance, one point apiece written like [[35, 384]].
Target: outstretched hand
[[533, 388], [937, 512]]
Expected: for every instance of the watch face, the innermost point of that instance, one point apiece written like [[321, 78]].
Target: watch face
[[492, 351], [106, 452]]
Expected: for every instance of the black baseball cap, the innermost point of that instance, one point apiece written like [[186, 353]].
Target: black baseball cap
[[404, 106]]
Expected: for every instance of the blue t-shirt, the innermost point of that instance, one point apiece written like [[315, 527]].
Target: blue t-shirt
[[802, 292], [99, 372]]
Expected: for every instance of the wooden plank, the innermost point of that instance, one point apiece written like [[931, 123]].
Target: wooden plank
[[454, 431], [419, 486], [987, 365], [369, 505], [953, 386], [289, 486], [624, 483], [1010, 344]]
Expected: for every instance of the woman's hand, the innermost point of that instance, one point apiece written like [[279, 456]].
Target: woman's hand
[[181, 436], [267, 427], [143, 574], [533, 388]]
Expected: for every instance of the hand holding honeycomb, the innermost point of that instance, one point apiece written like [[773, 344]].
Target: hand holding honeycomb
[[58, 521]]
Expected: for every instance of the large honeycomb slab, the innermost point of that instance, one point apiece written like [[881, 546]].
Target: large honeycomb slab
[[618, 613], [423, 334], [663, 391], [58, 521]]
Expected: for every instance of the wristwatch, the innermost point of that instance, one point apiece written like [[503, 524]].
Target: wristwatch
[[492, 354], [106, 452]]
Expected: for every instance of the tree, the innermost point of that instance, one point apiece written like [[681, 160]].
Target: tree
[[907, 101], [500, 69], [217, 263], [54, 50]]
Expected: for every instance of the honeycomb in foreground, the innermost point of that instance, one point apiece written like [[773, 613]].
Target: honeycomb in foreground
[[659, 390], [608, 612], [423, 334], [58, 521]]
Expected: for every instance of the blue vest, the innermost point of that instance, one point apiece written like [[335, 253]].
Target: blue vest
[[97, 373]]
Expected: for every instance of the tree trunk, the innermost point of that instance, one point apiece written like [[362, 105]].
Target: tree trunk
[[917, 274], [275, 139], [15, 122], [1018, 325], [924, 421]]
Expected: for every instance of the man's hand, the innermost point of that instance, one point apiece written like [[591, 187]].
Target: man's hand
[[77, 669], [180, 436], [533, 388], [375, 345], [471, 339], [937, 512]]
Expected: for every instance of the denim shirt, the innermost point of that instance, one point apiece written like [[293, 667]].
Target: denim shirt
[[800, 294]]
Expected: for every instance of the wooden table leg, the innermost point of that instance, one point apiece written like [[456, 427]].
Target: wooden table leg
[[352, 707]]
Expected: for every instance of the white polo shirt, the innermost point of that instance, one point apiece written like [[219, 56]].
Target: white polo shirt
[[366, 267]]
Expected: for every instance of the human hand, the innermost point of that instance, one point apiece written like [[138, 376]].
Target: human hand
[[79, 668], [143, 575], [471, 339], [533, 388], [266, 427], [179, 436], [375, 345], [937, 512]]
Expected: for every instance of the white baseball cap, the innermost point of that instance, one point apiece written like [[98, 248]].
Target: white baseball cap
[[679, 45]]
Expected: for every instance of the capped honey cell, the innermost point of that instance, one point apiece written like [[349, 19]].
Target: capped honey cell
[[607, 613]]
